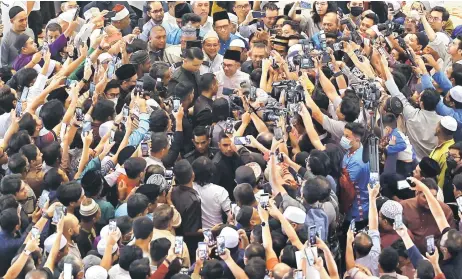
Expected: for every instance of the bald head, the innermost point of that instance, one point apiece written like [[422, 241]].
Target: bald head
[[330, 23], [71, 226], [265, 139], [362, 244], [280, 270]]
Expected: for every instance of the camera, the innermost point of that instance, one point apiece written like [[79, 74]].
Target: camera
[[249, 91], [368, 92]]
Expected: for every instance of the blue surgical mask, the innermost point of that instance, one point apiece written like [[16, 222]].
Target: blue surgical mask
[[345, 143]]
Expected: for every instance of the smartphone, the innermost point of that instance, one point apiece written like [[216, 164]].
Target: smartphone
[[241, 141], [312, 235], [279, 157], [70, 82], [297, 12], [298, 274], [91, 90], [111, 138], [410, 181], [76, 15], [229, 126], [67, 271], [278, 135], [309, 256], [18, 109], [403, 184], [60, 212], [398, 222], [139, 88], [43, 198], [112, 226], [305, 5], [168, 174], [45, 49], [221, 245], [208, 237], [430, 240], [144, 149], [125, 113], [202, 246], [110, 70], [353, 225], [79, 114], [178, 245], [35, 232], [459, 203], [176, 105], [258, 14], [86, 127], [264, 200]]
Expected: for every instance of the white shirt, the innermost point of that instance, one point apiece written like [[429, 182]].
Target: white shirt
[[214, 200], [233, 82], [216, 63], [208, 26], [153, 161], [5, 122], [116, 272]]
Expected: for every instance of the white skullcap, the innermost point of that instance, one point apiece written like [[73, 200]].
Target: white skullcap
[[105, 128], [121, 14], [105, 232], [237, 43], [233, 18], [231, 237], [295, 214], [96, 272], [102, 247], [51, 240], [456, 93], [449, 123], [210, 34], [104, 56], [91, 13], [391, 209]]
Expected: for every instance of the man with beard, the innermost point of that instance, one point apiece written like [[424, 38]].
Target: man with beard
[[90, 213], [71, 232], [257, 54], [156, 14], [226, 162], [18, 18], [140, 59], [451, 105], [202, 146], [445, 134], [211, 46], [127, 76], [157, 43]]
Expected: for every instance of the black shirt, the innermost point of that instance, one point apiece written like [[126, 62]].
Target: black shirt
[[451, 267], [202, 114], [193, 155], [226, 171], [186, 200], [181, 75], [247, 67]]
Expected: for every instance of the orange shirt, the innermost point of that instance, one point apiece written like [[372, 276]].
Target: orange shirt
[[128, 182]]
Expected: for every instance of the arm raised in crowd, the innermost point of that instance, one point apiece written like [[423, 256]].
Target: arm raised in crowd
[[236, 270]]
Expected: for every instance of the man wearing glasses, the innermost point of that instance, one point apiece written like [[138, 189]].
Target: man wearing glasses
[[156, 14], [241, 9]]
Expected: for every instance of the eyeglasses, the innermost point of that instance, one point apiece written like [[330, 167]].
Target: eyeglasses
[[241, 7], [450, 155], [224, 27], [436, 19]]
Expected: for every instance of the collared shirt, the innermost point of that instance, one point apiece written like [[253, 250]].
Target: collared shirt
[[173, 54], [155, 56], [371, 261], [421, 124], [5, 122], [215, 63], [358, 173], [188, 203], [154, 161], [174, 36], [9, 245], [421, 223], [168, 235], [147, 27], [74, 250], [224, 45], [226, 83], [439, 154], [214, 201], [8, 51], [444, 110], [170, 23]]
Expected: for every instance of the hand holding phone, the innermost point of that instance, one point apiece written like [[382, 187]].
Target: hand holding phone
[[67, 271], [264, 200], [178, 245], [221, 245], [430, 240], [312, 235]]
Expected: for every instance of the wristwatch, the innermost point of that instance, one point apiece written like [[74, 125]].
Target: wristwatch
[[263, 224], [85, 81], [45, 215], [27, 252]]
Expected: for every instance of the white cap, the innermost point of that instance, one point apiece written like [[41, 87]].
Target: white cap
[[104, 56], [233, 18], [449, 123], [90, 13], [391, 209], [231, 237], [51, 240], [67, 16], [456, 93], [105, 232], [96, 272], [237, 43], [210, 34], [295, 214], [102, 247], [121, 15], [105, 128]]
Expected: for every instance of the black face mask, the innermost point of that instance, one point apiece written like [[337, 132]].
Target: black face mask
[[356, 11], [451, 163]]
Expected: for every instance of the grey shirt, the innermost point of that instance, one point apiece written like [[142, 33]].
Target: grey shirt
[[371, 261], [8, 51], [421, 124]]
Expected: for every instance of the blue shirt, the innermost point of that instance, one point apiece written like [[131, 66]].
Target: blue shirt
[[8, 248], [400, 144], [147, 27], [359, 175], [224, 45], [444, 110], [174, 37]]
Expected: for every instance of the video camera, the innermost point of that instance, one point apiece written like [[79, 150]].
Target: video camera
[[249, 91], [388, 27], [273, 112], [367, 91], [355, 36]]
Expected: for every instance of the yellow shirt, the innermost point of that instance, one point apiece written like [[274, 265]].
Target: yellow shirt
[[439, 154]]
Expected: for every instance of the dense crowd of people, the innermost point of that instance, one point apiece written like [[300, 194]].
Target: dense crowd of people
[[206, 139]]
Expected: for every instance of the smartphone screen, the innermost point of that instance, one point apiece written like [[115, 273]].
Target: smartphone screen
[[398, 221], [353, 225], [67, 271], [43, 199], [241, 141], [402, 184], [139, 88], [18, 109], [264, 200], [278, 133], [176, 105], [79, 114], [459, 203], [309, 256], [305, 5], [208, 237], [144, 149], [178, 245], [110, 70], [35, 232], [430, 240], [221, 245], [202, 250], [312, 235], [112, 225], [257, 14], [58, 214]]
